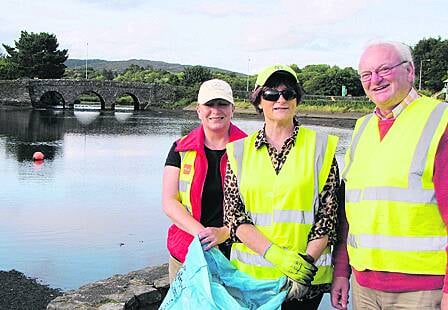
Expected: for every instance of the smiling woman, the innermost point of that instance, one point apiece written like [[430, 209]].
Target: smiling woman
[[193, 175], [215, 116], [280, 194]]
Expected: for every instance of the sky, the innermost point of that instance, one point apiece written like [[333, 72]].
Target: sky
[[242, 36]]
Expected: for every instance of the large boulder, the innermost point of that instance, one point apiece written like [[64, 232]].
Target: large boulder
[[141, 289]]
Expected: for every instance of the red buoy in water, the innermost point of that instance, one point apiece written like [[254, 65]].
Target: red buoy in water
[[38, 156]]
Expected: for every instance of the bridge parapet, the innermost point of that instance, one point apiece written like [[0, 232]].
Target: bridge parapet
[[30, 92], [15, 92]]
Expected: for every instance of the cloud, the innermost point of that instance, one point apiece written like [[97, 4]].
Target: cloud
[[223, 34], [295, 23], [224, 8]]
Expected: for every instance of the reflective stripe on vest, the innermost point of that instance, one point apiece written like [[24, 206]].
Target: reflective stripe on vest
[[238, 149], [266, 218], [183, 185], [355, 143], [414, 193], [319, 155], [258, 260], [394, 221], [282, 216], [397, 243]]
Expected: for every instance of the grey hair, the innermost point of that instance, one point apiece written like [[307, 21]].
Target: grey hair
[[403, 50]]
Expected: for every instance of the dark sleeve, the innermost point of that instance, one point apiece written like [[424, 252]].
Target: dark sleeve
[[234, 209], [340, 256], [173, 158], [326, 217]]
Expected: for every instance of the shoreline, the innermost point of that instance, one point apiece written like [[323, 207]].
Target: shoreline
[[18, 291], [339, 120], [306, 117]]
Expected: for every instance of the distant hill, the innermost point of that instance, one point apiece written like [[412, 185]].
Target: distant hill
[[121, 65]]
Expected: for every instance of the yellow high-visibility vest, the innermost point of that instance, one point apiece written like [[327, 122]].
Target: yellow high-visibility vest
[[282, 206], [394, 221], [186, 177]]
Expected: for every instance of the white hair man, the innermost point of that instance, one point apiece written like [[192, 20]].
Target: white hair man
[[394, 232]]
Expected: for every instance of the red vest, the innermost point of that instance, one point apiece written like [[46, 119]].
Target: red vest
[[179, 240]]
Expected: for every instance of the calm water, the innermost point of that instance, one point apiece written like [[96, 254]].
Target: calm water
[[92, 209]]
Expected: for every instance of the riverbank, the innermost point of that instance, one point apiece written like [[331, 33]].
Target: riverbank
[[141, 289], [307, 117], [18, 292]]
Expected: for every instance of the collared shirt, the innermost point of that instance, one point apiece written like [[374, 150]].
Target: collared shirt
[[412, 95], [278, 158]]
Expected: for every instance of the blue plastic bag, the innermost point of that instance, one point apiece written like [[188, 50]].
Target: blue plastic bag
[[207, 280]]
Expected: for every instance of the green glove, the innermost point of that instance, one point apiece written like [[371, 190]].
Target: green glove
[[292, 264]]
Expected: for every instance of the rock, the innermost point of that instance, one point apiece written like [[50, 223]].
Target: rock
[[141, 289], [20, 292]]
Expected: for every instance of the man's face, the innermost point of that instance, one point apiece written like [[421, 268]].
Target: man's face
[[390, 89]]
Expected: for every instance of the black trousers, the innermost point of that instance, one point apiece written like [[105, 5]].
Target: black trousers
[[307, 304]]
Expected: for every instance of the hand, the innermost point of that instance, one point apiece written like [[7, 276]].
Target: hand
[[339, 292], [292, 264], [212, 236], [444, 305], [297, 290]]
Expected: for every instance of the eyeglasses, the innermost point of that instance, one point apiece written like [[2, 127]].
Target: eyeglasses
[[271, 94], [366, 76]]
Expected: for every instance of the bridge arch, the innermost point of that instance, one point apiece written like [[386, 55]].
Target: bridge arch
[[89, 97], [122, 99], [51, 98]]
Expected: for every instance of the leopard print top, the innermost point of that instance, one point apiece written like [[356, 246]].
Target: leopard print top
[[326, 217]]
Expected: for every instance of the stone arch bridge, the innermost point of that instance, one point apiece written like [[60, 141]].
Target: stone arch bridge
[[25, 92]]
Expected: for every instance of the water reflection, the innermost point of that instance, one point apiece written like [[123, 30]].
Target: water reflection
[[29, 131], [98, 188], [86, 117], [122, 116]]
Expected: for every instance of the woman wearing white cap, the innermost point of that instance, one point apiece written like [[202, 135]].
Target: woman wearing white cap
[[192, 193], [280, 194]]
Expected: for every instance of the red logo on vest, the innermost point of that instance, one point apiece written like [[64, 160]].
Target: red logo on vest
[[187, 169]]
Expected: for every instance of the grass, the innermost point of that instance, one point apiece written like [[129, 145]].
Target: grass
[[319, 105], [334, 109], [328, 107]]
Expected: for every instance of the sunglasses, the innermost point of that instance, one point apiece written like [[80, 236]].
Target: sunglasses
[[272, 94]]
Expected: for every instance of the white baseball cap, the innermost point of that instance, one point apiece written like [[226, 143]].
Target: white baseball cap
[[215, 89]]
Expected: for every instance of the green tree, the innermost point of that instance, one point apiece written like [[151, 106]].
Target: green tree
[[432, 55], [37, 55], [325, 80], [196, 74], [7, 70], [107, 74], [295, 68], [3, 67], [133, 69]]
